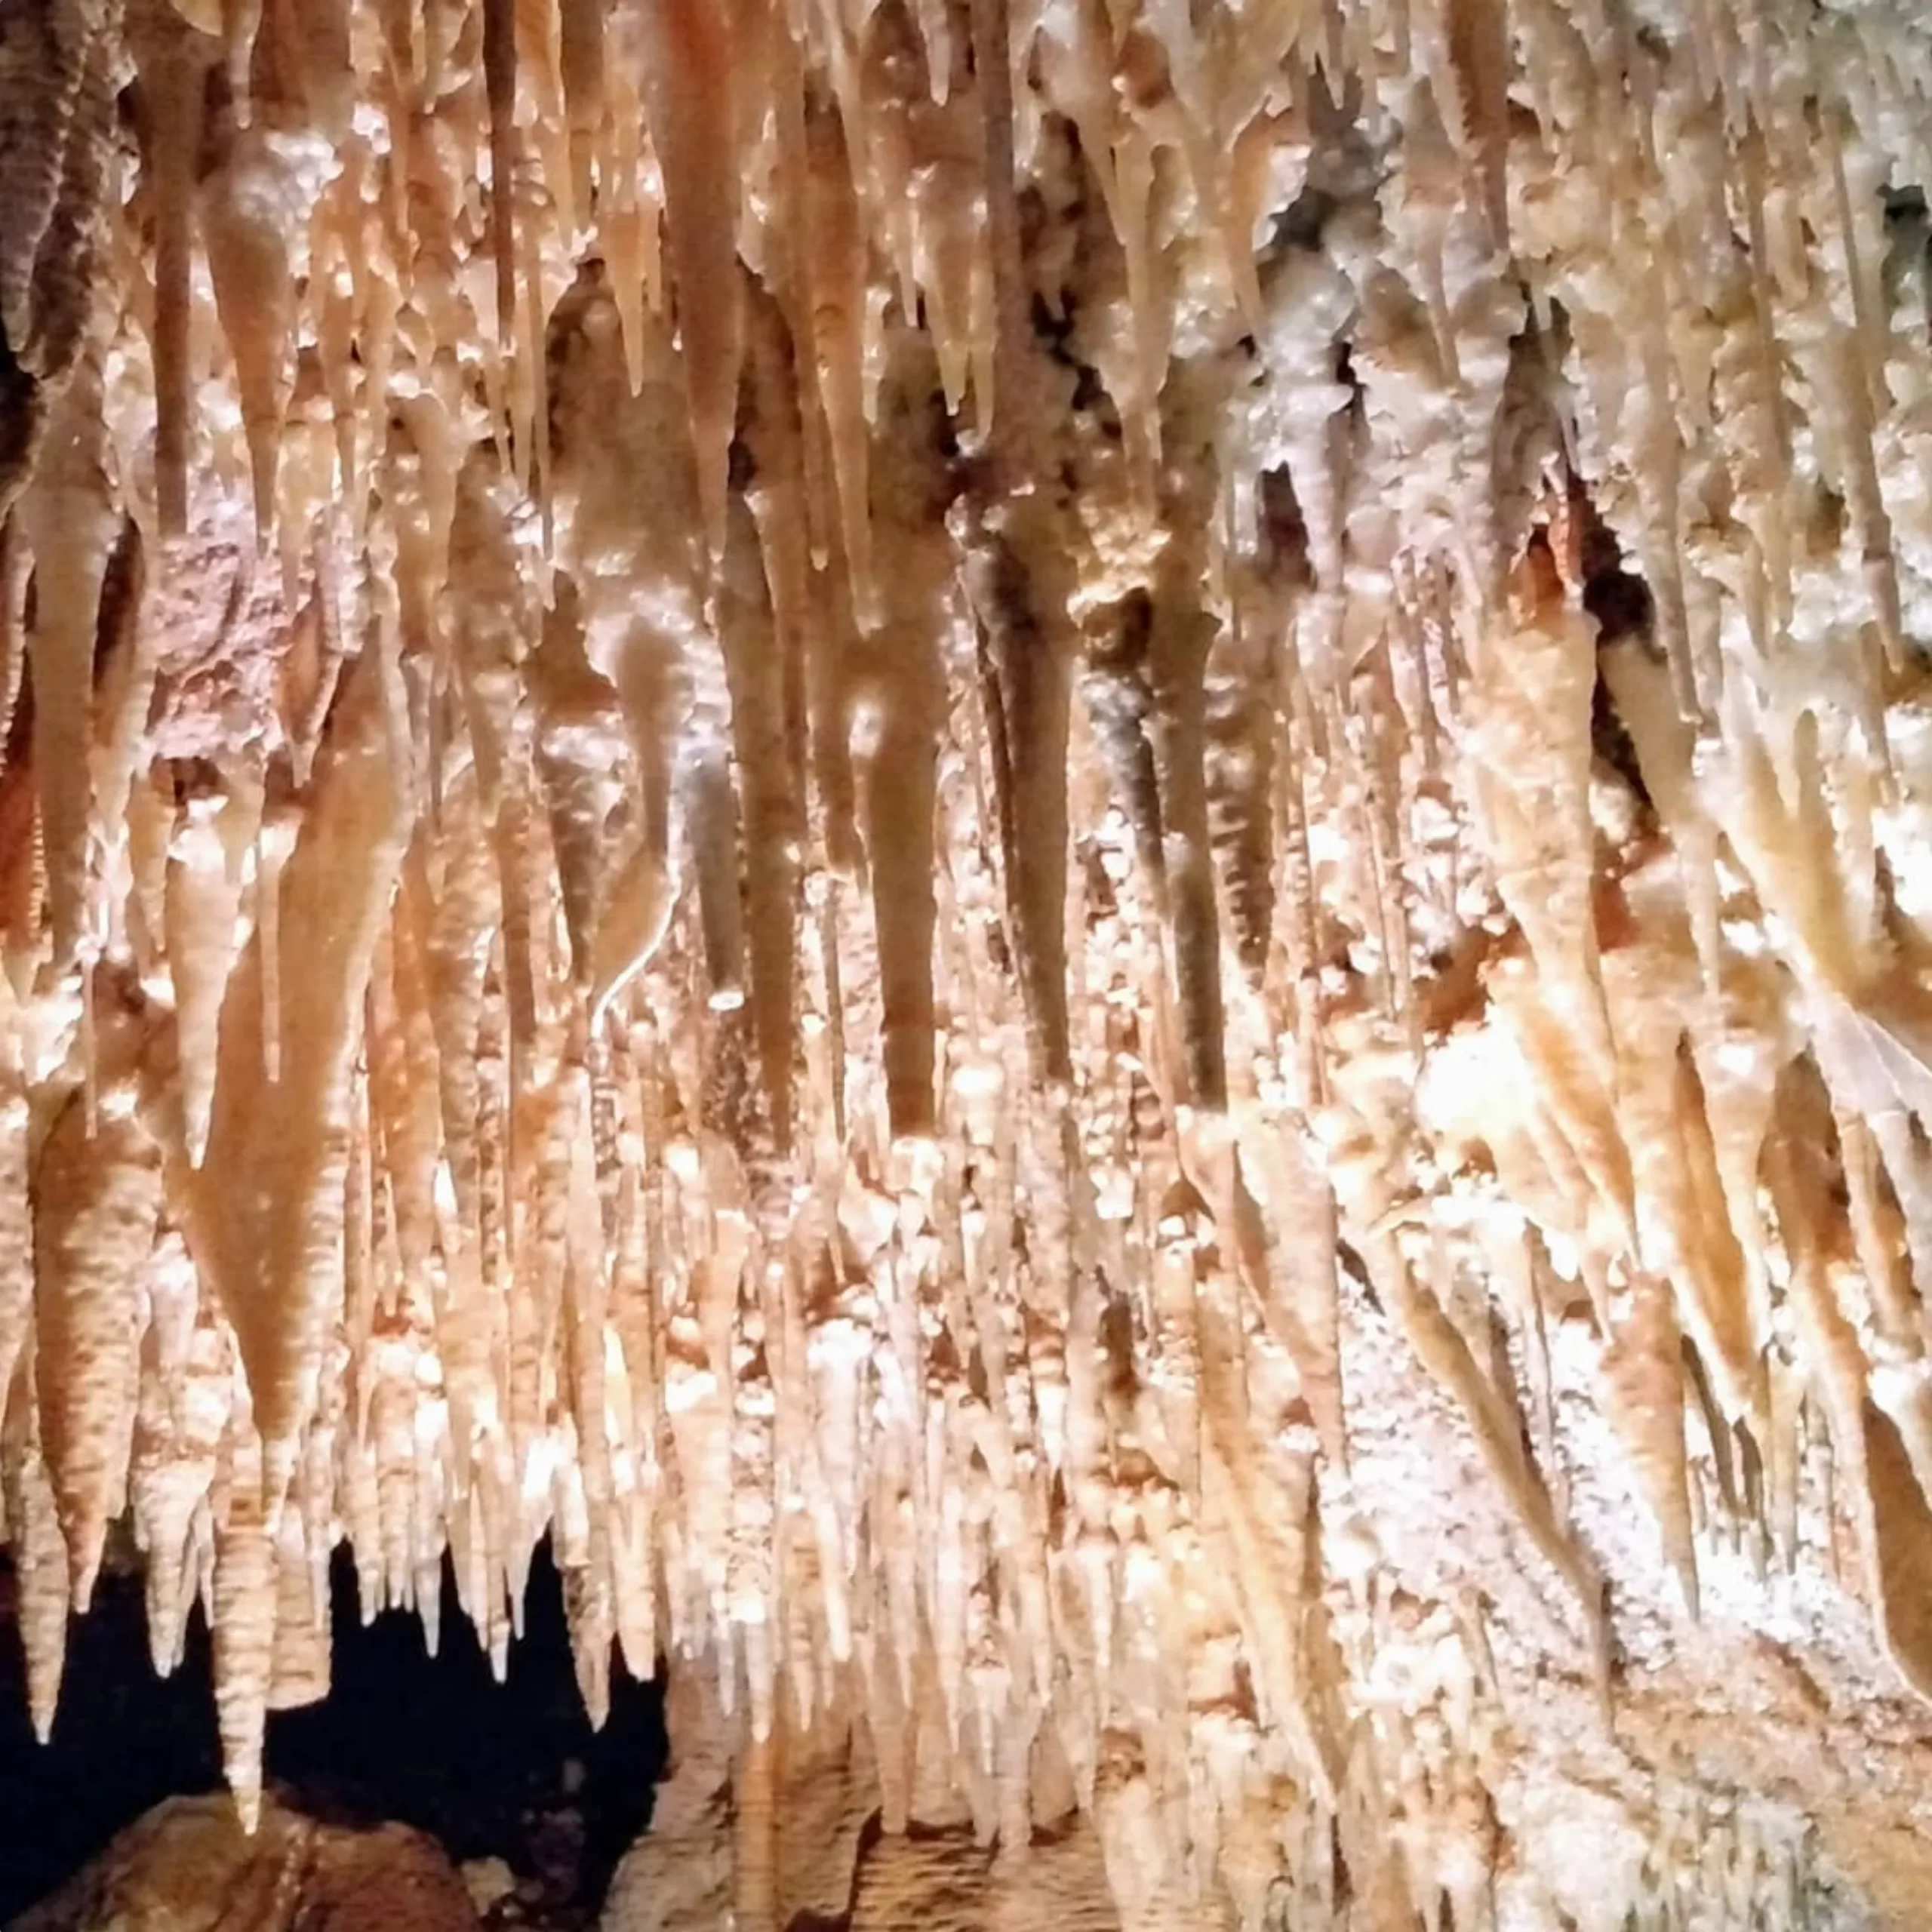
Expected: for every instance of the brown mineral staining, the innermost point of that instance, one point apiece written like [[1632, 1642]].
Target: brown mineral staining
[[186, 1867], [881, 813]]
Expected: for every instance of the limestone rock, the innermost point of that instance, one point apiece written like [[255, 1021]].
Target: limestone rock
[[188, 1866]]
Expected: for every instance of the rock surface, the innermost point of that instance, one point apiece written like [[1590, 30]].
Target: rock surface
[[188, 1866]]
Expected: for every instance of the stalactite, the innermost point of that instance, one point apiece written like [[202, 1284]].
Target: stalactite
[[54, 138], [1180, 634], [97, 1199], [500, 76], [689, 83], [260, 1220], [68, 516], [756, 664], [1024, 687]]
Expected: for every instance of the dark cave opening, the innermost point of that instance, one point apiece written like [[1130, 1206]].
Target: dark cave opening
[[511, 1771]]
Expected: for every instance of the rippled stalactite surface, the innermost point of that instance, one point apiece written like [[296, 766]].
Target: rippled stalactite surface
[[847, 798]]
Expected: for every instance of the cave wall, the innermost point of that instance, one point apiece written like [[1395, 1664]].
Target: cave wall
[[1066, 859]]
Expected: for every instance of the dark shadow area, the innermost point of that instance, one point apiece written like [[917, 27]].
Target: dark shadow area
[[124, 1739], [512, 1771]]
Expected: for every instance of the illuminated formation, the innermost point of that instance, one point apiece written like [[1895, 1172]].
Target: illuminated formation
[[849, 796]]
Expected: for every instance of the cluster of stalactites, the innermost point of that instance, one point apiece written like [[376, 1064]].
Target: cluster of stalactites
[[768, 764]]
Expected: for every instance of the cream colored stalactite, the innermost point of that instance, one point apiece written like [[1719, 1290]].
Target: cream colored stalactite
[[262, 1224], [1887, 1508], [399, 1036], [68, 516], [1683, 1234], [173, 59], [17, 1231], [1644, 1394], [242, 1618], [46, 1589], [185, 1401], [254, 212], [299, 1668], [97, 1189], [200, 914], [1528, 715]]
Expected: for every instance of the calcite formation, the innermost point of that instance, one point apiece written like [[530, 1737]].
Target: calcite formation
[[847, 796]]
